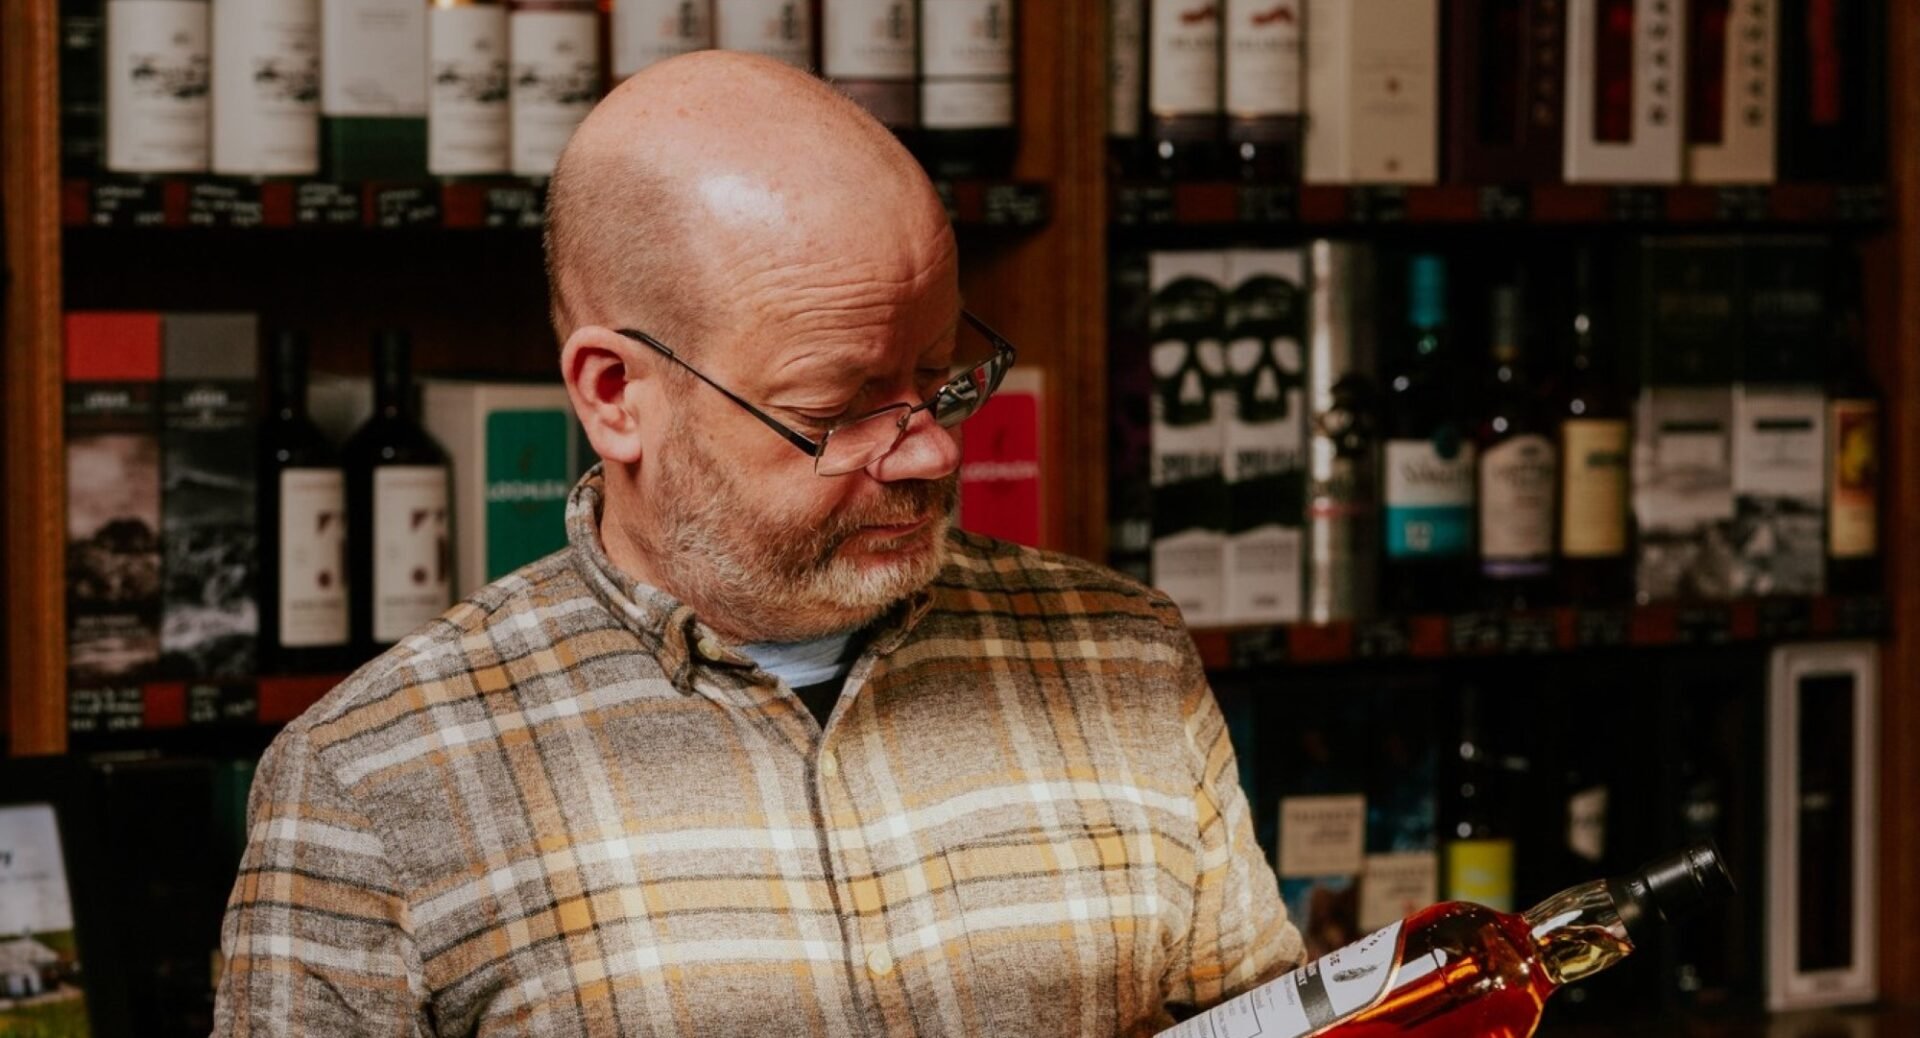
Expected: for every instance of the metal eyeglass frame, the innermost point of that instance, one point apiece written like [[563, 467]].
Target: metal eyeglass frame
[[959, 399]]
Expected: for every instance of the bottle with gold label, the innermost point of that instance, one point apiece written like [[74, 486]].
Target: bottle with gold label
[[1477, 847], [1853, 451], [1595, 441]]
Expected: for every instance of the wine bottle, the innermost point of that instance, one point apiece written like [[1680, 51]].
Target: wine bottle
[[1429, 477], [1265, 122], [399, 559], [967, 96], [1461, 970], [1853, 451], [555, 81], [467, 114], [1595, 443], [1517, 474], [646, 32], [1475, 808], [266, 88], [1183, 88], [780, 29], [159, 57], [867, 48], [1126, 84], [303, 529]]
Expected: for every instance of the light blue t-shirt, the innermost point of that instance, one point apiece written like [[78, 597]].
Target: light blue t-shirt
[[801, 664]]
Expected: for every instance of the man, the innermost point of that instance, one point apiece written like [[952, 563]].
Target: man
[[769, 749]]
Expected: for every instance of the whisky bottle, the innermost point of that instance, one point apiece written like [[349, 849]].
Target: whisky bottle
[[1853, 452], [1428, 483], [1595, 443], [1517, 470], [967, 91], [1457, 969]]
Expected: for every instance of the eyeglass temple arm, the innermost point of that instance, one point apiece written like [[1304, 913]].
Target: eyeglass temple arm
[[811, 448]]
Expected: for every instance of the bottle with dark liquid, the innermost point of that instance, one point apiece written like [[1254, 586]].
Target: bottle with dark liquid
[[1595, 441], [1263, 76], [1853, 452], [400, 558], [303, 529], [1460, 970], [868, 48], [1516, 472], [1183, 121], [967, 97], [1429, 467]]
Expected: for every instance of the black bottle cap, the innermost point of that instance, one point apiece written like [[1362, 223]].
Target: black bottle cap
[[290, 354], [1670, 889], [392, 367]]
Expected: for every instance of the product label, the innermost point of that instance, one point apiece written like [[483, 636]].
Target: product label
[[1394, 886], [868, 39], [1517, 480], [266, 87], [780, 29], [1429, 498], [1481, 871], [1593, 510], [1311, 998], [1322, 836], [1183, 66], [969, 38], [1587, 823], [1126, 55], [313, 546], [528, 481], [467, 115], [1853, 473], [375, 57], [1263, 57], [412, 579], [556, 82], [646, 32], [158, 78], [966, 106]]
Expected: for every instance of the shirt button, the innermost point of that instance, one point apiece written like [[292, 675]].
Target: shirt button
[[880, 964], [710, 649], [829, 764]]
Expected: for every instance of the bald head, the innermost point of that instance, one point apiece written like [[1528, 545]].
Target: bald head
[[707, 175]]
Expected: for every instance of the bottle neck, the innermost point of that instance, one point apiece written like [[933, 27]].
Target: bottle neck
[[1579, 932]]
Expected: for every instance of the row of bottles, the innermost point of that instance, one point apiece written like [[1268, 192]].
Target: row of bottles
[[392, 89]]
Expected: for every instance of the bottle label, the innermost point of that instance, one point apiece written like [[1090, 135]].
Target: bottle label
[[1394, 886], [1263, 57], [1322, 836], [158, 77], [1587, 823], [411, 580], [1593, 509], [780, 29], [1429, 499], [313, 546], [1481, 871], [374, 57], [1125, 58], [646, 32], [967, 38], [556, 82], [467, 116], [1517, 481], [868, 39], [1853, 476], [266, 88], [1311, 998], [966, 106], [1183, 68]]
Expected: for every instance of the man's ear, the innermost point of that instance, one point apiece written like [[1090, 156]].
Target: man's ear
[[604, 372]]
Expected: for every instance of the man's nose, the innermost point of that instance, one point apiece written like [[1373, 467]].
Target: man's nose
[[926, 451]]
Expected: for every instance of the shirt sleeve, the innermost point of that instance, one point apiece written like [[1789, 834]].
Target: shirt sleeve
[[1240, 936], [317, 936]]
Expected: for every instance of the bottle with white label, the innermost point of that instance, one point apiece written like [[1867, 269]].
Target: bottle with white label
[[373, 89], [556, 77], [647, 32], [1265, 120], [159, 78], [870, 49], [400, 557], [266, 87], [467, 111], [1518, 473], [1183, 119], [1428, 473], [304, 625], [781, 29], [967, 96], [1126, 85]]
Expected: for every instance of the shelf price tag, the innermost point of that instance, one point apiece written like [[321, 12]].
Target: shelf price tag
[[1015, 205], [129, 203], [1530, 634], [225, 204], [1636, 204], [412, 206], [1383, 639], [1500, 203], [1477, 634], [1740, 204], [1268, 204], [1377, 204], [319, 203], [1601, 628], [1143, 205], [517, 207]]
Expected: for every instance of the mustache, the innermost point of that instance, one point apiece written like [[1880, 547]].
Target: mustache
[[899, 504]]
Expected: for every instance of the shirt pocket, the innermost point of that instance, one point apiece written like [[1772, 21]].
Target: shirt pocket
[[1061, 927]]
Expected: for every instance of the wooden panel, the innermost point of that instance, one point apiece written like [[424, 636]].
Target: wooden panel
[[35, 485]]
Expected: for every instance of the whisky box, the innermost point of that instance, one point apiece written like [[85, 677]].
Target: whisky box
[[1823, 909], [1342, 499], [1373, 92], [1190, 504], [1001, 479], [1624, 98], [1130, 428], [113, 497], [512, 450], [1506, 81], [209, 472], [1733, 70], [1264, 459], [373, 89], [1833, 91]]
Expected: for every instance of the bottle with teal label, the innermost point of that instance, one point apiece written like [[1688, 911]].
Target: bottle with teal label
[[1429, 472]]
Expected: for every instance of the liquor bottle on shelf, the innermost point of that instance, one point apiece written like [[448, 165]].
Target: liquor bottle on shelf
[[968, 108], [1853, 450], [1477, 848], [399, 570], [780, 29], [1263, 76], [1342, 543], [373, 89], [467, 111], [1373, 92], [646, 32], [1595, 444], [1126, 85], [1429, 467], [303, 529], [868, 48], [83, 30], [1183, 116], [1833, 90], [556, 78], [1459, 969], [1517, 472], [159, 57], [266, 88]]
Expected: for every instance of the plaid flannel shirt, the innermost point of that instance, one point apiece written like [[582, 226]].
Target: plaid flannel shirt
[[568, 808]]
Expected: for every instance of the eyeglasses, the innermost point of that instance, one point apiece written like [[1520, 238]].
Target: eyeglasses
[[854, 443]]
